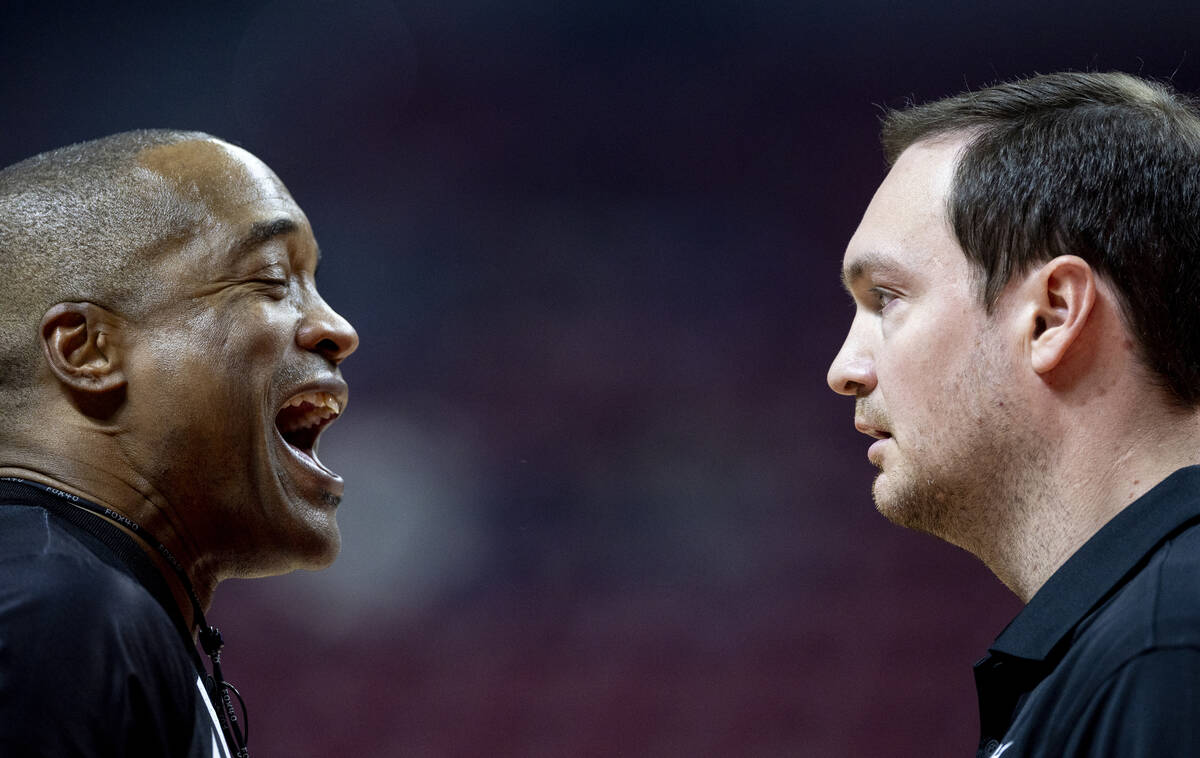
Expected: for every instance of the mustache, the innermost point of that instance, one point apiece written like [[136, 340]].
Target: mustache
[[871, 414]]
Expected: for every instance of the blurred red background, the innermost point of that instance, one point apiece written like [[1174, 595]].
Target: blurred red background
[[600, 501]]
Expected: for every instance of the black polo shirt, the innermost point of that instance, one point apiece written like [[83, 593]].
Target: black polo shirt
[[1105, 659]]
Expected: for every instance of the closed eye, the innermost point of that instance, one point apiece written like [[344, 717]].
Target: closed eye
[[273, 288], [273, 277]]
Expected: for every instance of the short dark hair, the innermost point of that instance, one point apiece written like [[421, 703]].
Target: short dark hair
[[76, 224], [1105, 166]]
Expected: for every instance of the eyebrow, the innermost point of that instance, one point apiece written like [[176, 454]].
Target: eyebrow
[[864, 264], [264, 231]]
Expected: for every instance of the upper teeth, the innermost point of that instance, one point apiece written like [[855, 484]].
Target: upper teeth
[[316, 399], [322, 406]]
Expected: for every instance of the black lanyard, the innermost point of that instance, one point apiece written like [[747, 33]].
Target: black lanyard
[[236, 734]]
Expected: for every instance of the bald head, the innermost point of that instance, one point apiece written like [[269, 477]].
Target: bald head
[[78, 224]]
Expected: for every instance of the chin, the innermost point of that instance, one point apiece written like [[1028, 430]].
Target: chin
[[307, 538], [886, 505], [902, 502], [317, 546], [303, 532], [317, 560]]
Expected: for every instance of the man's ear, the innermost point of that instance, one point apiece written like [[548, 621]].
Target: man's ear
[[1063, 292], [82, 345]]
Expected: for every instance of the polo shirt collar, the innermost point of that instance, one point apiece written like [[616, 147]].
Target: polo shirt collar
[[1097, 568]]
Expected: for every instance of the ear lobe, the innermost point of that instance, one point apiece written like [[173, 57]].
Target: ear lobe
[[1064, 290], [82, 348]]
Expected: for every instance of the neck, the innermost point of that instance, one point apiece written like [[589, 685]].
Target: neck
[[152, 530], [1089, 478]]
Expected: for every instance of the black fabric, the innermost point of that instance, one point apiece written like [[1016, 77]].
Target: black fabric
[[1105, 659], [94, 657]]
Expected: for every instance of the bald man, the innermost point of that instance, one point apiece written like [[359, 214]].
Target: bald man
[[166, 369], [1025, 353]]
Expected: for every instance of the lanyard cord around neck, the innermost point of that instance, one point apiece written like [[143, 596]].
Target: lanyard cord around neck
[[210, 637]]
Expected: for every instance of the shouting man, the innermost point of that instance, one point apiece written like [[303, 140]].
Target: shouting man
[[1026, 353], [166, 367]]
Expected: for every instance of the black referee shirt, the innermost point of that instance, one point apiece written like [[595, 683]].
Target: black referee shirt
[[95, 660], [1105, 659]]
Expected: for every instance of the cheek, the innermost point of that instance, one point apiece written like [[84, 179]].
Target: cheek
[[922, 379], [243, 342], [215, 366]]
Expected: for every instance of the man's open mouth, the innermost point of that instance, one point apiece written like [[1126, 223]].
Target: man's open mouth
[[302, 418]]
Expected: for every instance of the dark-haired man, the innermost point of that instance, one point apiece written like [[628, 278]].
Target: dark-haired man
[[1026, 353], [166, 366]]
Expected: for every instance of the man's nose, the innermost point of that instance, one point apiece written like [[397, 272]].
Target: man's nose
[[324, 331], [852, 371]]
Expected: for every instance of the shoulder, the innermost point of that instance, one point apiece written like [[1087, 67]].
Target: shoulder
[[1157, 607], [1127, 684], [1173, 576], [51, 582], [1150, 706], [84, 649]]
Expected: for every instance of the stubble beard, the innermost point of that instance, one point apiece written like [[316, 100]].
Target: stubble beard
[[968, 479], [952, 499]]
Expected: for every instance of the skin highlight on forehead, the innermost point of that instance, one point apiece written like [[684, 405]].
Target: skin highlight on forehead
[[243, 203], [234, 205], [205, 170]]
